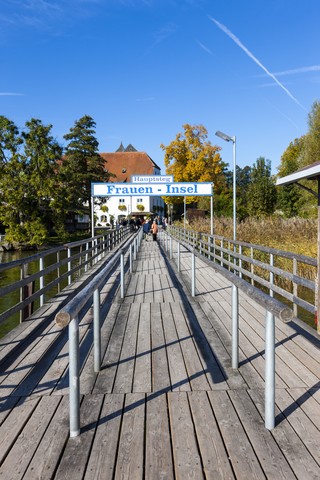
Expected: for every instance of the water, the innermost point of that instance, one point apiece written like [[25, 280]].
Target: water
[[13, 275]]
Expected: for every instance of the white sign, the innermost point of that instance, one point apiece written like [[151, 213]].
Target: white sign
[[152, 178], [182, 189]]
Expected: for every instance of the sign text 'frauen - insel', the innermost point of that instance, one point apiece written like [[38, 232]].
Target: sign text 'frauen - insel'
[[156, 189]]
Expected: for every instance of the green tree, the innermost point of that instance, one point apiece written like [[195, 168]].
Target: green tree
[[261, 191], [28, 180], [290, 197], [311, 151], [192, 158], [81, 165]]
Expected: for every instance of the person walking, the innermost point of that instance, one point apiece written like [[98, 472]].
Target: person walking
[[154, 230]]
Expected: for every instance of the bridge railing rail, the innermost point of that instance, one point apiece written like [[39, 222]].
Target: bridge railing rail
[[286, 275], [69, 316], [273, 309], [44, 274]]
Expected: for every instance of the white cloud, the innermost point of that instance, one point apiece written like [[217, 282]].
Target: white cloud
[[206, 49], [255, 59]]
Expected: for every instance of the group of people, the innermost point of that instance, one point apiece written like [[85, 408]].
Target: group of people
[[152, 227]]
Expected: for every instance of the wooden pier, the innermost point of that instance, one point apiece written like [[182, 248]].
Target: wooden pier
[[166, 404]]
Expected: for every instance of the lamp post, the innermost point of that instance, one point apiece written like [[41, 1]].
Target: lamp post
[[227, 138]]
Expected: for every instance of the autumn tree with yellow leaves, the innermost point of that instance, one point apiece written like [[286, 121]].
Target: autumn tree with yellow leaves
[[192, 158]]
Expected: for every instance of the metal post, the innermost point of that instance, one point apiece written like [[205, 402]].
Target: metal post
[[184, 212], [69, 267], [193, 274], [74, 377], [270, 372], [235, 327], [170, 244], [295, 286], [41, 280], [130, 257], [271, 276], [96, 331], [211, 212], [122, 274], [178, 256], [92, 217]]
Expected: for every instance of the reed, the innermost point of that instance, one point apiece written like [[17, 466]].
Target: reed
[[297, 235]]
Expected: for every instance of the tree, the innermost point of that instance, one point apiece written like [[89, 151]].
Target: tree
[[289, 196], [192, 158], [261, 191], [81, 165], [311, 150], [28, 180]]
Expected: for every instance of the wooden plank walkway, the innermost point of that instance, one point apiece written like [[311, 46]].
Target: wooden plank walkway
[[166, 404]]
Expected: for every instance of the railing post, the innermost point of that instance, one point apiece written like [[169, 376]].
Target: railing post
[[271, 276], [96, 331], [41, 280], [122, 274], [178, 256], [251, 266], [86, 258], [69, 267], [74, 377], [295, 287], [130, 258], [240, 261], [170, 244], [193, 273], [58, 271], [270, 372], [235, 327]]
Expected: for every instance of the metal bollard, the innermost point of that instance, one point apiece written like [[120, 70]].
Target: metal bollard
[[74, 377], [235, 327], [122, 274], [96, 331], [193, 274], [270, 372]]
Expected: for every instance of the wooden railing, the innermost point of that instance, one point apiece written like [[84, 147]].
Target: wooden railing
[[39, 277], [289, 276]]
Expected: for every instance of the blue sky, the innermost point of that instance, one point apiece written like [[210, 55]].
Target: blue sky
[[143, 68]]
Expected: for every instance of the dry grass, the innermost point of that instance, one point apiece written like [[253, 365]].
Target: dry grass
[[297, 235]]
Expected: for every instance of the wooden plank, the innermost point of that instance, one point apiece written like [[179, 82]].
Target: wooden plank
[[148, 294], [130, 461], [272, 460], [142, 371], [17, 461], [242, 456], [102, 459], [160, 371], [158, 462], [186, 455], [214, 354], [74, 460], [139, 295], [47, 457], [301, 423], [14, 424], [166, 289], [187, 340], [177, 370], [131, 289], [124, 375], [216, 464], [292, 447], [105, 379], [157, 290]]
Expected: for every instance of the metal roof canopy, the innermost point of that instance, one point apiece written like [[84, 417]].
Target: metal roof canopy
[[311, 172], [308, 173]]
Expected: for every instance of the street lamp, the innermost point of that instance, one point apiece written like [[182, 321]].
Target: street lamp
[[233, 140]]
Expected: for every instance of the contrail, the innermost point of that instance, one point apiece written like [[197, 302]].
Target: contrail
[[294, 71], [244, 48]]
